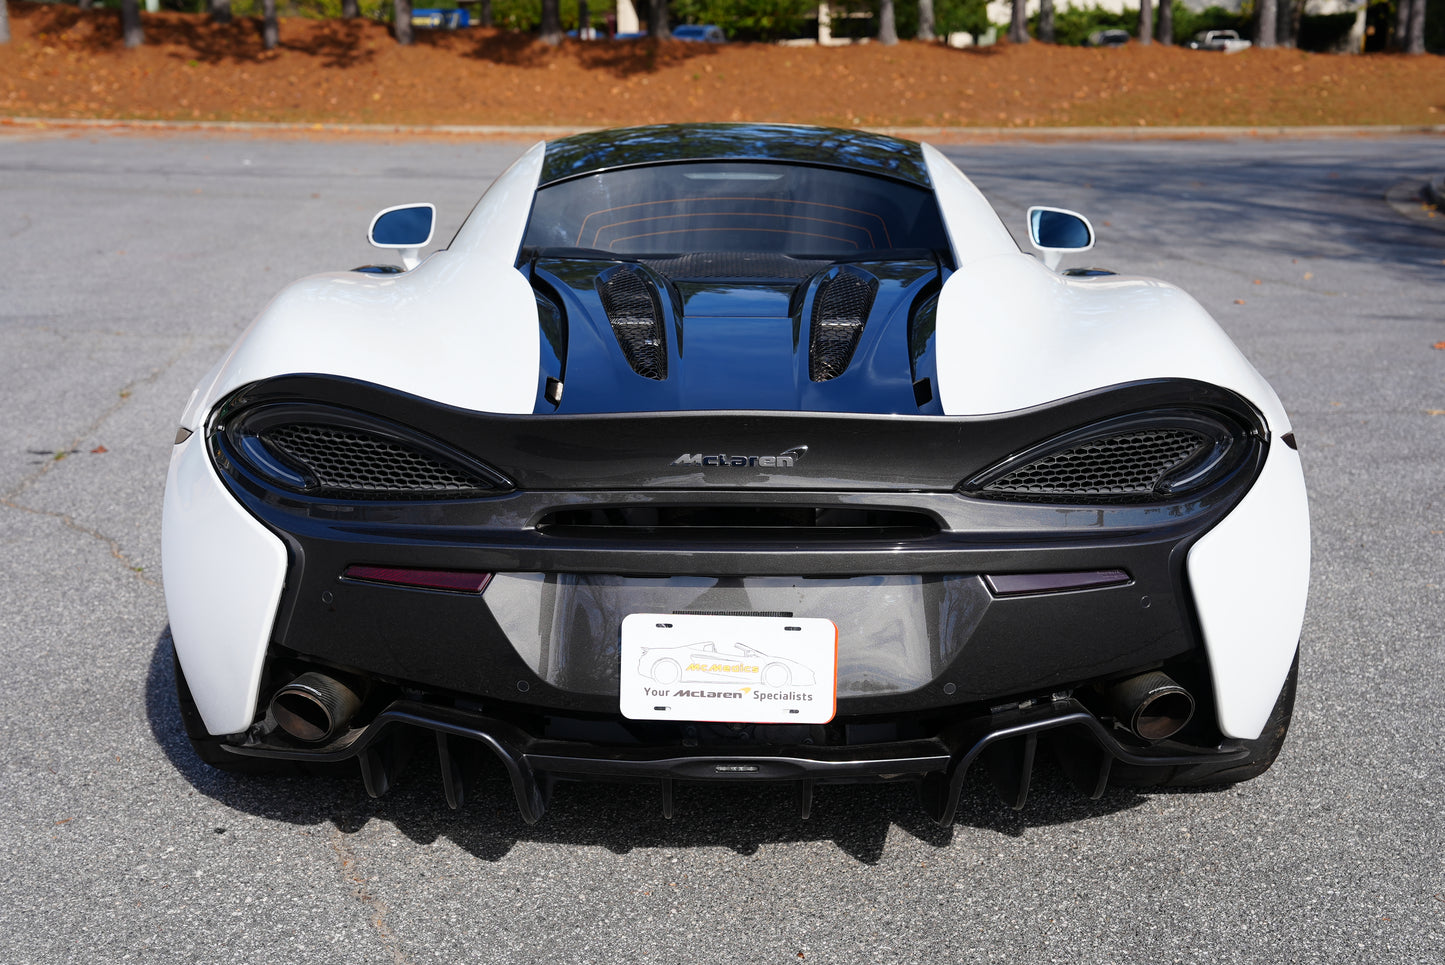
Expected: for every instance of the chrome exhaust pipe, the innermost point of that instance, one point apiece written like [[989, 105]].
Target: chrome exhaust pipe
[[314, 707], [1151, 705]]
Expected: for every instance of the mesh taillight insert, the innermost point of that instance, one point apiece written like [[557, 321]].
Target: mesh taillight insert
[[1128, 465], [346, 461]]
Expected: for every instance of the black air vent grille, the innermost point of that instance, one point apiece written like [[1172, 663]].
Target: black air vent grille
[[1115, 468], [840, 310], [631, 306], [346, 461], [738, 522]]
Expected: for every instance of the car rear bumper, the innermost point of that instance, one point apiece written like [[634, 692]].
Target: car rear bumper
[[1005, 740]]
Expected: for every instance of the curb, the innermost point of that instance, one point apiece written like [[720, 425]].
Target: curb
[[530, 130]]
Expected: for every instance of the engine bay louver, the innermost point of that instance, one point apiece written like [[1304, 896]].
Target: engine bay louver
[[349, 462], [631, 303], [840, 310]]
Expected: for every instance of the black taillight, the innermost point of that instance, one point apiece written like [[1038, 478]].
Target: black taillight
[[333, 453], [1146, 457]]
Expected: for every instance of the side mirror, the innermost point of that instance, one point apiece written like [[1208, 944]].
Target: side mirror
[[1056, 231], [405, 227]]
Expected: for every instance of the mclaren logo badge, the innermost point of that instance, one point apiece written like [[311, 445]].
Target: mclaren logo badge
[[783, 460]]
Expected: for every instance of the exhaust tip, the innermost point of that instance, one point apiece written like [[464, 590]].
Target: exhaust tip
[[314, 707], [1152, 705]]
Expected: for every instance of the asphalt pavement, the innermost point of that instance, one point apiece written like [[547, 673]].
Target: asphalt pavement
[[131, 262]]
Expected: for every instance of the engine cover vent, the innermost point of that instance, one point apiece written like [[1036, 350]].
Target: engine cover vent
[[840, 310], [631, 303]]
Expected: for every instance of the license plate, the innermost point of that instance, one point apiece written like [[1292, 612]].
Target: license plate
[[744, 669]]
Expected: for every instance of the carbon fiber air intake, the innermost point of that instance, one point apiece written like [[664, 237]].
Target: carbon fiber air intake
[[840, 310], [632, 307]]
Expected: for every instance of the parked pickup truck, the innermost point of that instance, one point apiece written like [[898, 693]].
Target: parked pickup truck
[[1225, 40]]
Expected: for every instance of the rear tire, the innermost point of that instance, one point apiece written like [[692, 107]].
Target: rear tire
[[777, 675], [1263, 751]]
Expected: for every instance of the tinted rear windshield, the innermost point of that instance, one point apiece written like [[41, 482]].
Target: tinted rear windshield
[[735, 206]]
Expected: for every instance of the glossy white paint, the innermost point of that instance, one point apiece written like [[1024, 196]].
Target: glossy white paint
[[223, 576], [460, 328], [1012, 334], [1250, 577], [972, 225]]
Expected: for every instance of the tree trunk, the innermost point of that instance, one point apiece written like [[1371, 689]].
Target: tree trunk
[[401, 26], [130, 24], [1284, 24], [1146, 21], [87, 4], [887, 26], [1415, 42], [484, 13], [551, 29], [220, 11], [1166, 22], [657, 20], [925, 19], [1018, 25], [270, 31], [350, 9], [1266, 20], [1400, 30], [1046, 21], [584, 20], [4, 21]]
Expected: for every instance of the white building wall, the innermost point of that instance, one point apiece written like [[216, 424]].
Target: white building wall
[[627, 22]]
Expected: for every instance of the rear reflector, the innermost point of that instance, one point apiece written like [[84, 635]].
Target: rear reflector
[[1014, 584], [458, 581]]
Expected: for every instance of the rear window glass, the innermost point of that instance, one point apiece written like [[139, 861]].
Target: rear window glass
[[674, 209]]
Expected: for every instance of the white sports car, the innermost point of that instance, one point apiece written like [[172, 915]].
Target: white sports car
[[740, 371]]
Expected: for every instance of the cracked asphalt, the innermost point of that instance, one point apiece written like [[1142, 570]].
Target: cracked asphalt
[[131, 262]]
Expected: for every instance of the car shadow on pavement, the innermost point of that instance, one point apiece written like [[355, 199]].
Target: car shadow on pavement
[[619, 817]]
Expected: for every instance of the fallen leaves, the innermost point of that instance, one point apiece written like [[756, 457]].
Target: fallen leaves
[[65, 62]]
